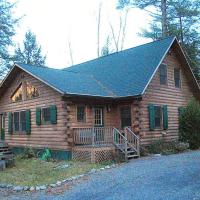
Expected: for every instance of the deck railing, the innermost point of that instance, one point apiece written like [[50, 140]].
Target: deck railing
[[93, 136]]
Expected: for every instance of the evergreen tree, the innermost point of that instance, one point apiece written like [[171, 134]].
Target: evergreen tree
[[181, 20], [31, 52], [7, 31]]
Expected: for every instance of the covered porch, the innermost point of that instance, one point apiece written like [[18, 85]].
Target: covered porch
[[97, 144]]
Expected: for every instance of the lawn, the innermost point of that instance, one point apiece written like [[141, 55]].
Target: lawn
[[33, 172]]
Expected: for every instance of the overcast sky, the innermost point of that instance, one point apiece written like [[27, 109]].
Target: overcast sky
[[55, 22]]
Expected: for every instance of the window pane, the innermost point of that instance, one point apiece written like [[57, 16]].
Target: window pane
[[17, 96], [81, 113], [158, 116], [23, 120], [46, 114], [16, 121], [31, 91], [177, 77], [163, 74], [125, 113]]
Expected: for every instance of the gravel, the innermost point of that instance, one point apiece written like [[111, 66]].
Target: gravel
[[174, 177]]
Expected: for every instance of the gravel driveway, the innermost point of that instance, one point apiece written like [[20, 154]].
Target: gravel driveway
[[154, 178]]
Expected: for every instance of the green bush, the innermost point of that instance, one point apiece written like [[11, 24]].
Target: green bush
[[28, 153], [166, 147], [189, 124]]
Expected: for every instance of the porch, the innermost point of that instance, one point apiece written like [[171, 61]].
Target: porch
[[97, 144]]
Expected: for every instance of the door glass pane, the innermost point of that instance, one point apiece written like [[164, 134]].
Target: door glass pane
[[98, 116], [125, 113]]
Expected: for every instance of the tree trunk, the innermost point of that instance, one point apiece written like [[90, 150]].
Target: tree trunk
[[164, 17], [181, 28]]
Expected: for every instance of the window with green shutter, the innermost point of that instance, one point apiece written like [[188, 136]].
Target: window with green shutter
[[38, 116], [151, 117], [53, 116], [165, 117], [28, 122], [10, 123]]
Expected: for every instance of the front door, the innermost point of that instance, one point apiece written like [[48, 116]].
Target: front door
[[2, 127], [125, 114], [98, 124]]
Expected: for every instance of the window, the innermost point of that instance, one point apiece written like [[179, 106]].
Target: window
[[17, 96], [125, 113], [98, 116], [19, 121], [163, 74], [177, 77], [31, 91], [158, 116], [81, 114], [46, 114]]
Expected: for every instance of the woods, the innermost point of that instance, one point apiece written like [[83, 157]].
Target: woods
[[173, 18]]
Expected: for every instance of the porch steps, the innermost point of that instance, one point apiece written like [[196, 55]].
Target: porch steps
[[6, 154], [127, 142]]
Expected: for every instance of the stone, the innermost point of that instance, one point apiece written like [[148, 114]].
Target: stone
[[58, 183], [32, 188], [157, 155], [18, 188], [62, 166], [107, 167], [43, 187], [53, 185], [93, 170], [37, 188], [26, 188]]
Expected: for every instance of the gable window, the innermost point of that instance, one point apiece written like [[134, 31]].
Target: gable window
[[31, 91], [163, 74], [177, 77], [19, 121], [17, 96], [81, 115], [158, 116], [46, 114]]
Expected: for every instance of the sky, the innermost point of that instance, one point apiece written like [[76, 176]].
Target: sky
[[55, 23]]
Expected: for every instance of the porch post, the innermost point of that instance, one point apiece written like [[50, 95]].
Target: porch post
[[93, 142]]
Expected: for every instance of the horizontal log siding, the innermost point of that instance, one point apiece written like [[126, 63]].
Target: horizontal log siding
[[165, 95], [45, 135]]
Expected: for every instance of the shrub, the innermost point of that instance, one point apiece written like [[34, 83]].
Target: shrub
[[189, 124], [166, 148], [28, 153]]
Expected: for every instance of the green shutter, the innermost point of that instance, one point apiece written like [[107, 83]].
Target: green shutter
[[38, 116], [165, 117], [151, 117], [53, 114], [28, 122], [10, 123]]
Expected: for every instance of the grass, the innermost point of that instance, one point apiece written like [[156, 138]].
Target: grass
[[33, 172]]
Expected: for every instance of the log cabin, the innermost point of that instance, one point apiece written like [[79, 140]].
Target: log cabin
[[87, 111]]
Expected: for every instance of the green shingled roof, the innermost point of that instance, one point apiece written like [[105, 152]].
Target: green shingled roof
[[122, 74]]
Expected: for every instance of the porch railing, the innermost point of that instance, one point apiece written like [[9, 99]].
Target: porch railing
[[93, 136]]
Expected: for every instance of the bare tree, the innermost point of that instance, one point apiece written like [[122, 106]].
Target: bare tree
[[119, 38], [98, 29], [70, 52]]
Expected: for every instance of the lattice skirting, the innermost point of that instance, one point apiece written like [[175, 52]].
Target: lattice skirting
[[93, 154]]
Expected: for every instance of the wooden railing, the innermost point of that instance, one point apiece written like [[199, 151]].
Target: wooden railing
[[93, 136], [133, 140]]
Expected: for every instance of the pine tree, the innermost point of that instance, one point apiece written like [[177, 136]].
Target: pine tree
[[180, 19], [7, 31], [31, 51]]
